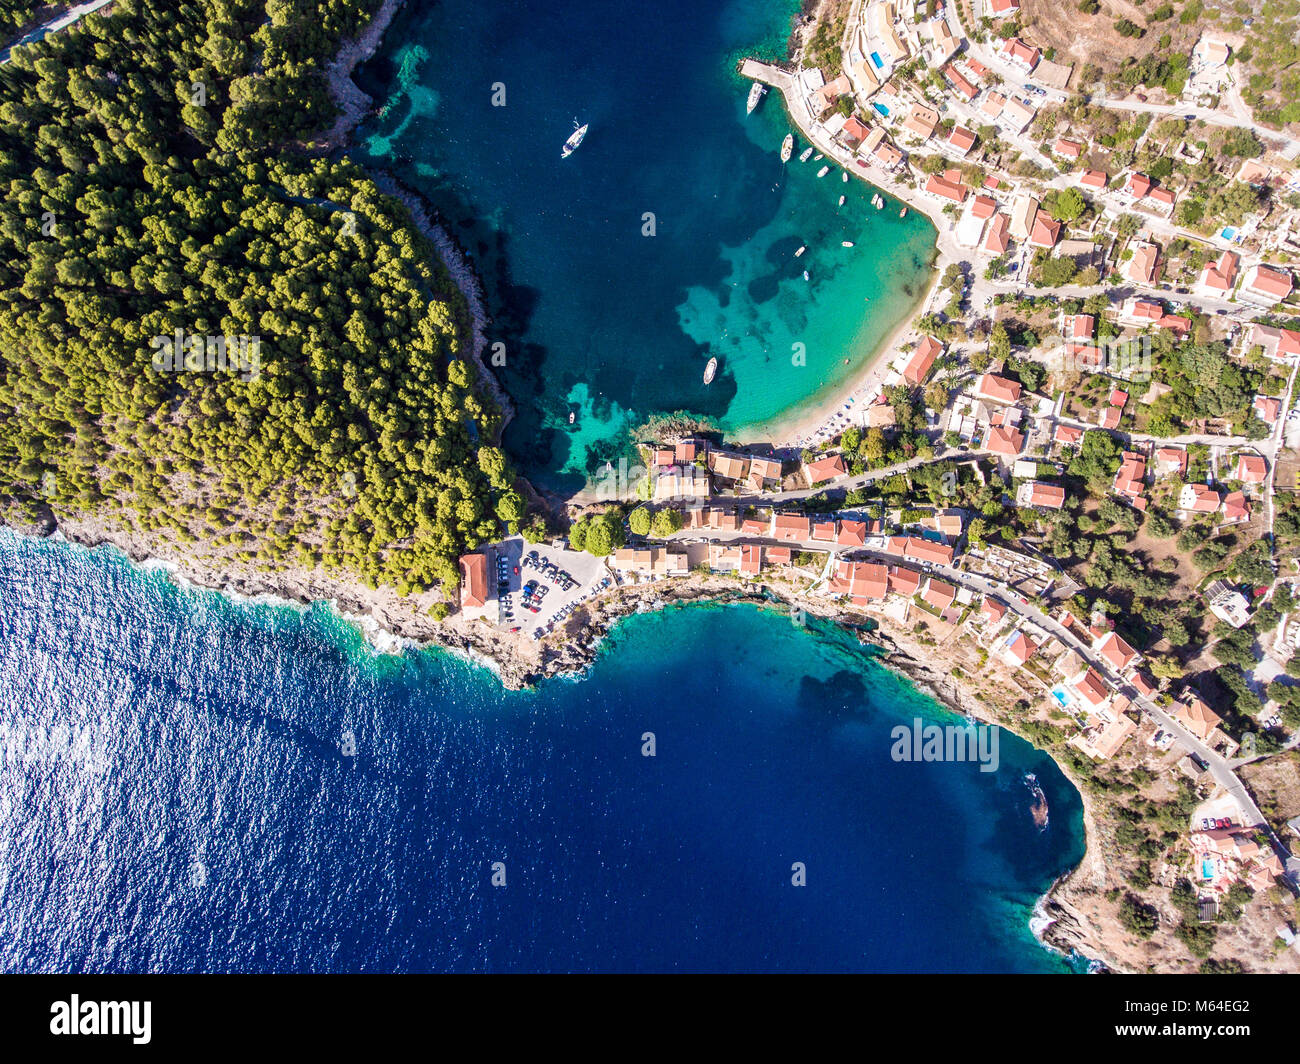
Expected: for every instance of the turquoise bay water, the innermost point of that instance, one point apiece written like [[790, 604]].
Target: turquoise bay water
[[598, 319], [175, 796]]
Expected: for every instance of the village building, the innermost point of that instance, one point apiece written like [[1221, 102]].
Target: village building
[[1045, 231], [1141, 268], [474, 589], [997, 389], [1281, 345], [1218, 277], [1019, 54], [1227, 603], [1264, 285], [922, 361], [1040, 495], [1198, 499]]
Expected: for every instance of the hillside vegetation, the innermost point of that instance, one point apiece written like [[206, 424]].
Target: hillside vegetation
[[154, 183]]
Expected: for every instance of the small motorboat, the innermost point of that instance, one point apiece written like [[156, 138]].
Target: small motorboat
[[805, 275], [572, 416], [846, 243], [805, 155], [903, 213], [818, 157], [802, 249], [844, 176], [823, 171], [841, 203]]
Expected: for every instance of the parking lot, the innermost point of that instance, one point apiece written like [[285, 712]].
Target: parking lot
[[539, 586]]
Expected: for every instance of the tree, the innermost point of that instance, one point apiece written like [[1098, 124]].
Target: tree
[[1067, 205], [1000, 342], [639, 521], [666, 522]]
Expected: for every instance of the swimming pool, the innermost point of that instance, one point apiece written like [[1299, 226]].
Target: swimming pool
[[1059, 695], [1229, 233], [1207, 869], [882, 109], [875, 58]]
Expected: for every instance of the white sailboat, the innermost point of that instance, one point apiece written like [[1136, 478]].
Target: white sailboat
[[756, 92], [575, 138]]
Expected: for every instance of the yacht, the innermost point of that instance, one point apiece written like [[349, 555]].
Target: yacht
[[787, 147], [575, 138], [805, 154], [756, 92], [710, 370]]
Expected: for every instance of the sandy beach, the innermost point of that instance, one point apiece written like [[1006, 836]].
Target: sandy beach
[[846, 404]]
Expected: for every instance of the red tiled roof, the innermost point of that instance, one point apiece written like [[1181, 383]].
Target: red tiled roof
[[790, 526], [922, 360], [1051, 496], [827, 468], [1045, 232], [1003, 390], [473, 580], [1138, 185], [996, 240], [1251, 469], [852, 534], [1004, 441], [945, 189], [1270, 282]]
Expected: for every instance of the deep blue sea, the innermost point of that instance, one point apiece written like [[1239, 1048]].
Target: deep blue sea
[[189, 783], [598, 319]]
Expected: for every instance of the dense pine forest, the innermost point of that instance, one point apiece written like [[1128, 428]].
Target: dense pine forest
[[162, 199]]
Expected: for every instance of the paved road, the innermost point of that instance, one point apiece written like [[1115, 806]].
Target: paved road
[[60, 22]]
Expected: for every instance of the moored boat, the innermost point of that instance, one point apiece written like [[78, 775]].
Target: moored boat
[[575, 138], [710, 370], [787, 147], [805, 154], [844, 176], [756, 92], [823, 171], [842, 201], [903, 213]]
